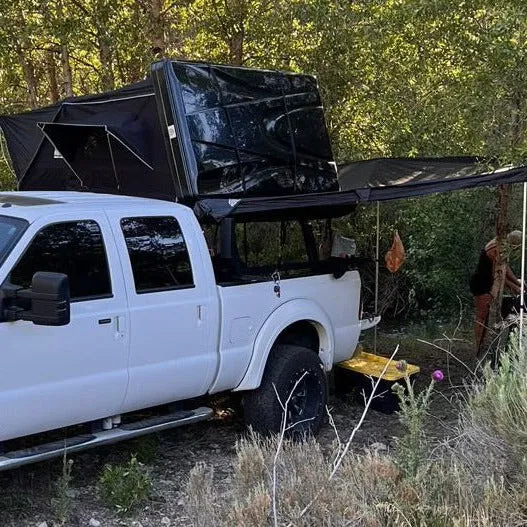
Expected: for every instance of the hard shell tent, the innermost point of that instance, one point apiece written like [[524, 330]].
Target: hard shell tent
[[190, 130]]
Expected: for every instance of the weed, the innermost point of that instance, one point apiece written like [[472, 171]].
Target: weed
[[412, 446], [61, 503], [125, 486], [200, 491]]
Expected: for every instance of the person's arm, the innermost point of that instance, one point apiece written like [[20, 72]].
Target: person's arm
[[510, 278], [511, 281]]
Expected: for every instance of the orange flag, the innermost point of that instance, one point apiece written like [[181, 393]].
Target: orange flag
[[396, 256]]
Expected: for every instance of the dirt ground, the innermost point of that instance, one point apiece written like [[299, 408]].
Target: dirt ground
[[26, 494]]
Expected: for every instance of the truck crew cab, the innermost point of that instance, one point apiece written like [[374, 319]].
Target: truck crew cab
[[111, 304]]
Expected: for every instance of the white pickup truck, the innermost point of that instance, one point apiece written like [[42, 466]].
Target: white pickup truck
[[110, 304]]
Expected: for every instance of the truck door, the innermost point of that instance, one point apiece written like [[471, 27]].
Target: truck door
[[173, 351], [52, 377]]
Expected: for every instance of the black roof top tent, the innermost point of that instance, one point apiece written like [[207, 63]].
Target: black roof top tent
[[191, 130]]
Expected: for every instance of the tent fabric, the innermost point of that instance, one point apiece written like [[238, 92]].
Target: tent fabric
[[192, 130], [385, 179], [112, 143], [73, 141], [366, 181]]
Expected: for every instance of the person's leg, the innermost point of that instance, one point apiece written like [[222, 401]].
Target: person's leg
[[482, 305]]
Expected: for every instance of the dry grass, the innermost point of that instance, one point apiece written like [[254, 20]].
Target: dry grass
[[478, 477]]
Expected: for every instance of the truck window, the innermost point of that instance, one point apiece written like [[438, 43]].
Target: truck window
[[10, 231], [263, 244], [158, 254], [73, 248]]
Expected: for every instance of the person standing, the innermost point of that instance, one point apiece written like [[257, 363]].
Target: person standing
[[485, 287]]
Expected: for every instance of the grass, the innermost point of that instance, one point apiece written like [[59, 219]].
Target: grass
[[477, 477]]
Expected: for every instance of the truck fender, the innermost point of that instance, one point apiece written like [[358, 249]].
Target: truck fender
[[287, 314]]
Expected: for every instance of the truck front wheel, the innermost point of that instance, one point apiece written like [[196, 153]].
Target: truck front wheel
[[293, 379]]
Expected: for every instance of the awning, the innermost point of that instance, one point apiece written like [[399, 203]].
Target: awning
[[385, 179], [312, 206]]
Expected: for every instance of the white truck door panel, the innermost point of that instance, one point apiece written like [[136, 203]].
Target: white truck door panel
[[173, 310], [57, 376]]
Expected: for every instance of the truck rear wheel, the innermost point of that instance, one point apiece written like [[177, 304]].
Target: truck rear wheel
[[298, 374]]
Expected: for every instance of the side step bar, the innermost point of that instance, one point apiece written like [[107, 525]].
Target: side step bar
[[17, 458]]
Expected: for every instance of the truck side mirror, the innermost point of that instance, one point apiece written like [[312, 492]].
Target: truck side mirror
[[49, 297]]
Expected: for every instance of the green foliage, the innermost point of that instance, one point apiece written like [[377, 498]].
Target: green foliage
[[500, 401], [443, 236], [7, 179], [125, 486], [404, 77], [146, 448]]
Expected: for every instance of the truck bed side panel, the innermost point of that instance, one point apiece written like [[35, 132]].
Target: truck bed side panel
[[246, 309]]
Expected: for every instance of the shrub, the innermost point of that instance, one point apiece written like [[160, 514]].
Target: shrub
[[476, 478], [493, 425], [125, 486]]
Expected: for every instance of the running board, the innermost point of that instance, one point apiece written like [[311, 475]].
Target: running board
[[17, 458]]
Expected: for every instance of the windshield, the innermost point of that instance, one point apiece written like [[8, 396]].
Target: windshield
[[10, 231]]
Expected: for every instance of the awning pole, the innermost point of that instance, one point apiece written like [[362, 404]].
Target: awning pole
[[376, 278], [522, 294]]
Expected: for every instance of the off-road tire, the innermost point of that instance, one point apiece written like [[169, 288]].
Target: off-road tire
[[285, 366]]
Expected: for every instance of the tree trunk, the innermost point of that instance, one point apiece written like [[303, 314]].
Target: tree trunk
[[67, 80], [157, 29], [51, 69], [27, 67], [21, 48], [236, 47], [105, 56], [490, 340], [29, 75]]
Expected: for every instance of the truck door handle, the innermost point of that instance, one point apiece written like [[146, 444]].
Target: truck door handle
[[119, 327], [105, 321]]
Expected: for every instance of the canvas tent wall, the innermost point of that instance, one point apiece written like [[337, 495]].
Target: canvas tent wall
[[190, 130], [103, 143]]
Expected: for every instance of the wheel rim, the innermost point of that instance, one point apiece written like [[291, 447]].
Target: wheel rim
[[305, 403]]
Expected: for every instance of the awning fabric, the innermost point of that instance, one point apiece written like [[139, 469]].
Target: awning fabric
[[386, 179]]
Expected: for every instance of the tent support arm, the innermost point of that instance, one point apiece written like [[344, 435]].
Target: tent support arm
[[522, 301], [376, 277]]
